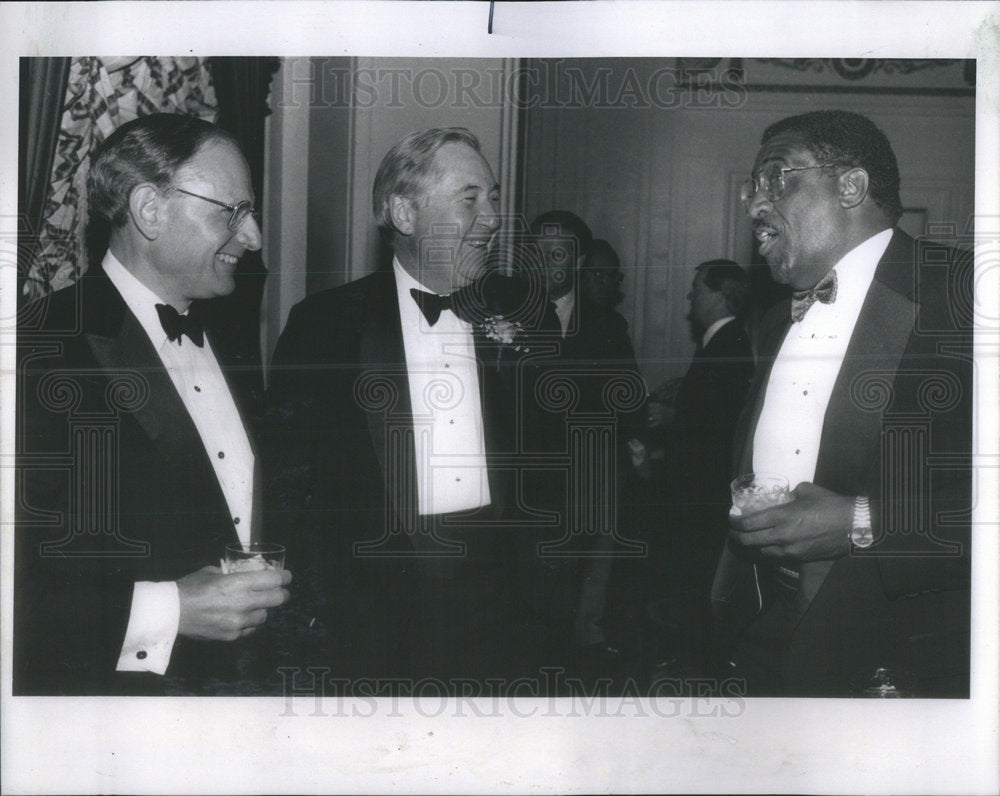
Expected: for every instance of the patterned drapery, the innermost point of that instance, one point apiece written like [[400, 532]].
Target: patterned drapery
[[101, 95]]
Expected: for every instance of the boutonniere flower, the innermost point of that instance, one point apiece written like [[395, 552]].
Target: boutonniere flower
[[503, 308], [505, 332]]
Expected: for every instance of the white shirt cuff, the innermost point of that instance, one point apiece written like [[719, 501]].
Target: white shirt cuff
[[152, 628]]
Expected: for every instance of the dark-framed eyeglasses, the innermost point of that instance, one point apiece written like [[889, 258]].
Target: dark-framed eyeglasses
[[238, 212], [771, 180], [606, 275]]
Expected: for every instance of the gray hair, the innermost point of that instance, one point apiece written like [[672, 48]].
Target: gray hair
[[405, 170]]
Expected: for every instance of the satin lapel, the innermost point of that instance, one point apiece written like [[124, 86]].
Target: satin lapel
[[162, 415], [383, 356], [850, 435], [849, 445], [499, 411]]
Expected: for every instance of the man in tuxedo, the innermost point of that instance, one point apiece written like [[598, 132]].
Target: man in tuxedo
[[862, 400], [699, 449], [136, 459], [401, 418], [595, 351]]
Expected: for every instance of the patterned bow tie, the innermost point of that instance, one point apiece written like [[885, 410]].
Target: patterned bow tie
[[175, 325], [431, 305], [825, 292]]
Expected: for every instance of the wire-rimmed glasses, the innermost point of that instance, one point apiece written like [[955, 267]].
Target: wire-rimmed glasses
[[771, 180], [238, 212]]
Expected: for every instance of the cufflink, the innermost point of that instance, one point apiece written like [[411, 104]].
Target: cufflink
[[861, 535], [141, 655]]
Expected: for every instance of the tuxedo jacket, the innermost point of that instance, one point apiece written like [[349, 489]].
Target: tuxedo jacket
[[709, 401], [597, 347], [897, 429], [341, 479], [114, 486]]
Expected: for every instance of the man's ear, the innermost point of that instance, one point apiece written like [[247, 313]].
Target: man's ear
[[853, 186], [145, 209], [403, 213]]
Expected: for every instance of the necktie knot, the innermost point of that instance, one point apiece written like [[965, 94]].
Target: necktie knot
[[825, 292], [175, 325], [431, 305]]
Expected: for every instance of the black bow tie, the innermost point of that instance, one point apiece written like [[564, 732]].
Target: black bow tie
[[825, 292], [431, 304], [175, 324]]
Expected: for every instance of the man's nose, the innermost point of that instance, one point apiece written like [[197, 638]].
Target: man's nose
[[755, 205], [490, 220], [248, 234]]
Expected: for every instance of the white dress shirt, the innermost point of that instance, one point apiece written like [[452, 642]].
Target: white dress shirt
[[787, 438], [155, 612], [711, 330], [443, 378], [564, 309]]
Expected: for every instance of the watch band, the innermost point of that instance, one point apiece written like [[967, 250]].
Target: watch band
[[861, 535]]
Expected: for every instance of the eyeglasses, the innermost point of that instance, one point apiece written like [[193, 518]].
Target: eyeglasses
[[239, 211], [606, 276], [770, 179]]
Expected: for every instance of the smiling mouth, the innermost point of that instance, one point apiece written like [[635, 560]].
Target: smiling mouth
[[228, 259], [765, 235]]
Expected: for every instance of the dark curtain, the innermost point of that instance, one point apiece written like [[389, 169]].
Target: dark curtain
[[241, 89], [42, 92]]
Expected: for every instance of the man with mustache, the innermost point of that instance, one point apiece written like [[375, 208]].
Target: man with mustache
[[863, 384], [400, 411], [128, 382]]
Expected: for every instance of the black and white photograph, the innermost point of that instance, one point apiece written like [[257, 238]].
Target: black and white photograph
[[467, 411]]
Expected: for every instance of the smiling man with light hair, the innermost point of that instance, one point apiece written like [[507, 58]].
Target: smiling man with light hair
[[400, 409]]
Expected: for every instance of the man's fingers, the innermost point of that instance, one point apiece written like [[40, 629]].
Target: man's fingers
[[768, 543], [253, 600], [757, 539], [271, 598], [262, 580], [808, 489], [257, 617], [748, 523]]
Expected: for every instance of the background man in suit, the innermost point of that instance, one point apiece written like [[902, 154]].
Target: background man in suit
[[699, 447], [127, 385], [601, 275], [401, 412], [595, 350], [862, 398]]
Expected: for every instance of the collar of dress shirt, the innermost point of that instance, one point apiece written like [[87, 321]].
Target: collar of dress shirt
[[855, 271], [711, 330], [412, 318], [564, 308], [406, 280], [140, 300]]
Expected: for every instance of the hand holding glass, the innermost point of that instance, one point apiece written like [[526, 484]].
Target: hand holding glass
[[753, 492], [254, 557]]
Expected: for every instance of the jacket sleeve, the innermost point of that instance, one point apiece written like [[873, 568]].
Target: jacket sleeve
[[922, 484], [71, 604]]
